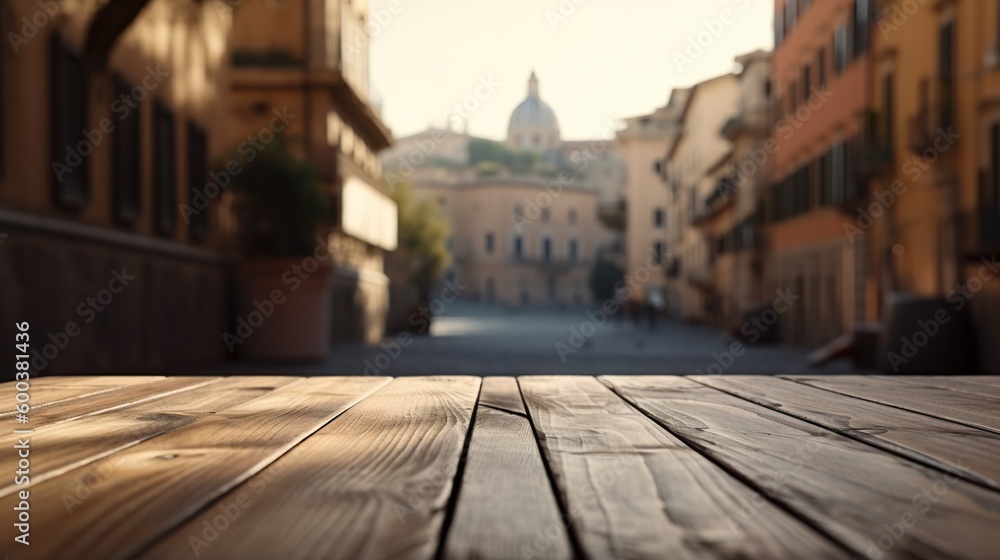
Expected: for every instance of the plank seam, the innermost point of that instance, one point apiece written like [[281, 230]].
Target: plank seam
[[567, 520], [854, 435], [898, 407], [697, 448], [456, 485], [144, 549]]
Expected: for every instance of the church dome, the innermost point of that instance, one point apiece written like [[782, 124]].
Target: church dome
[[533, 123]]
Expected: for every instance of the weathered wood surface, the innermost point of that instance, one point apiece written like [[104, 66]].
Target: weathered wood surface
[[503, 472], [138, 494], [534, 467], [962, 450], [374, 483], [854, 492], [634, 491], [956, 406]]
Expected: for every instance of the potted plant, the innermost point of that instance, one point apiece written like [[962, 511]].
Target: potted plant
[[284, 279]]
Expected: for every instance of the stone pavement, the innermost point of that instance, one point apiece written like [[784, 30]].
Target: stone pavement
[[477, 339]]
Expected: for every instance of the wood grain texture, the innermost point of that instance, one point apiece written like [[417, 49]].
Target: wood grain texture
[[72, 444], [966, 408], [503, 474], [118, 398], [45, 391], [635, 491], [969, 452], [374, 483], [854, 492], [981, 387], [140, 493]]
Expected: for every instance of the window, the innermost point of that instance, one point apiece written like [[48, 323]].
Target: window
[[840, 54], [546, 215], [519, 211], [197, 167], [518, 247], [888, 110], [658, 217], [70, 183], [821, 67], [125, 175], [837, 179], [489, 243], [946, 72], [572, 217], [862, 18], [546, 249], [659, 252], [806, 83], [164, 169], [573, 250]]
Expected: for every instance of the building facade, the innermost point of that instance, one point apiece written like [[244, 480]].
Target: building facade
[[937, 134], [641, 145], [822, 93], [519, 236], [111, 115], [696, 164], [318, 79]]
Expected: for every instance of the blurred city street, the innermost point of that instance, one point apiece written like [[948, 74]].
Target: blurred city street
[[482, 339]]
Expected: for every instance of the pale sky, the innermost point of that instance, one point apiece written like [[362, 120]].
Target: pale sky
[[598, 61]]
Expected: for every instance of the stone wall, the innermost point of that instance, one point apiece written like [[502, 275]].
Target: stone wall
[[168, 313]]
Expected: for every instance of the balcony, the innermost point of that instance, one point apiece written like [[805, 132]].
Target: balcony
[[937, 113], [876, 150]]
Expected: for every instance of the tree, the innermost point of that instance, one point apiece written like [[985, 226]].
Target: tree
[[423, 237]]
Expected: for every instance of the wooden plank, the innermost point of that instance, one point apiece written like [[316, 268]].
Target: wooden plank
[[103, 401], [69, 445], [372, 484], [872, 501], [45, 391], [992, 380], [972, 410], [635, 491], [952, 384], [967, 452], [506, 507], [142, 492]]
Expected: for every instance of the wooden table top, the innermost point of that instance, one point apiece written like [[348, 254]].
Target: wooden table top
[[505, 468]]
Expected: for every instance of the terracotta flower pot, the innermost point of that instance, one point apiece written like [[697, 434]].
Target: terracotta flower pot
[[285, 309]]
